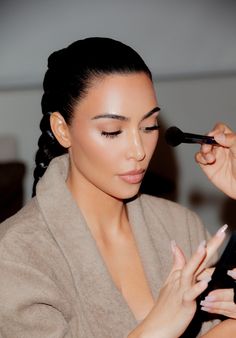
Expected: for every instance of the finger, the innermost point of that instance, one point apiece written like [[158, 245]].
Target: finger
[[179, 258], [227, 140], [205, 158], [206, 148], [226, 295], [232, 273], [200, 159], [227, 309], [220, 128], [206, 274], [195, 291], [178, 261], [193, 264], [213, 244]]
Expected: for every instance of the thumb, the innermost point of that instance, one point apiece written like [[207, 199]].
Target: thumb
[[227, 140]]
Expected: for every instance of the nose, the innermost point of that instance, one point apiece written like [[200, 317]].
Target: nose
[[136, 149]]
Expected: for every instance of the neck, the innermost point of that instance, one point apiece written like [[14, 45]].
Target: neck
[[105, 215]]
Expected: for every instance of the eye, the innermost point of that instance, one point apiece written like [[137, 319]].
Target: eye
[[149, 129], [111, 134]]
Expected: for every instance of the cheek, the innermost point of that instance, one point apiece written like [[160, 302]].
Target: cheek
[[150, 144], [96, 150]]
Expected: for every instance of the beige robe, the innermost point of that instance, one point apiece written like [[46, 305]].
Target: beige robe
[[53, 280]]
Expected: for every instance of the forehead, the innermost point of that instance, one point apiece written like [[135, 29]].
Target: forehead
[[125, 94]]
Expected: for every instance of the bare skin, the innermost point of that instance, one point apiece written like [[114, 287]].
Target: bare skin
[[110, 142], [219, 163]]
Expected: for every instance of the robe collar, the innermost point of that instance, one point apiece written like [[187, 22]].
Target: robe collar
[[98, 297]]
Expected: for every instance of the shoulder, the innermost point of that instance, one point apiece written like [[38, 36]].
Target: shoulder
[[26, 222], [177, 220], [25, 238], [28, 218]]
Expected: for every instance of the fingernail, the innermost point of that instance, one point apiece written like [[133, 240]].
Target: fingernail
[[231, 273], [220, 138], [204, 308], [209, 157], [209, 298], [201, 246], [222, 230], [173, 245]]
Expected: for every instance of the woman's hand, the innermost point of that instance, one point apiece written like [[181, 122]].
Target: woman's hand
[[221, 301], [176, 304], [219, 162]]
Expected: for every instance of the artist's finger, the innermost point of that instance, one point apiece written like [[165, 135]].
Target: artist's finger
[[227, 309], [232, 273], [200, 158], [220, 128], [218, 295], [205, 157]]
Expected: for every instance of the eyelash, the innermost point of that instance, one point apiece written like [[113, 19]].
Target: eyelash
[[114, 134]]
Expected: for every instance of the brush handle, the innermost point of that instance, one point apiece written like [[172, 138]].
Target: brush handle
[[201, 139]]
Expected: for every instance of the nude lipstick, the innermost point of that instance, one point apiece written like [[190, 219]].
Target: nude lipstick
[[133, 177]]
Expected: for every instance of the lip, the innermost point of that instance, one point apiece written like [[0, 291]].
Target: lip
[[133, 176]]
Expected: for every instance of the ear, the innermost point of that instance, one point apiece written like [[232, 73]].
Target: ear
[[60, 129]]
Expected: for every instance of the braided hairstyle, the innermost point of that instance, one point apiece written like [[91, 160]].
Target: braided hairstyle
[[68, 77]]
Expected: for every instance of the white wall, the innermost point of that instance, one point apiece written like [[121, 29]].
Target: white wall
[[194, 105]]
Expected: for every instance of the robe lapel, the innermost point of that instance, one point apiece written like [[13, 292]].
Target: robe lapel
[[150, 248], [99, 301]]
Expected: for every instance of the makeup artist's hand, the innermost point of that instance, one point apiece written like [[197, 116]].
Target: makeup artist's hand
[[176, 304], [219, 162], [221, 301]]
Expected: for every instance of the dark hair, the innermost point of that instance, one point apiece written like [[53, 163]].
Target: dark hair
[[70, 72]]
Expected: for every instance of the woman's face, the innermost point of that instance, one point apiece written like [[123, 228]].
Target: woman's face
[[113, 135]]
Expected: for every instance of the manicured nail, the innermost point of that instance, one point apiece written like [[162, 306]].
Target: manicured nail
[[209, 157], [231, 273], [220, 138], [209, 298], [222, 230], [201, 246], [173, 245], [204, 308], [205, 303]]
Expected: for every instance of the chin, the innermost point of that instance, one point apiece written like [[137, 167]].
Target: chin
[[128, 194]]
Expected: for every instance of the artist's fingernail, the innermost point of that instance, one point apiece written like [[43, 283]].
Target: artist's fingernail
[[209, 157], [204, 308], [222, 230], [201, 246], [209, 298], [220, 138], [231, 273], [173, 245]]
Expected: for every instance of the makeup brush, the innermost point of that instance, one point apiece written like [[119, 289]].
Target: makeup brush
[[174, 136]]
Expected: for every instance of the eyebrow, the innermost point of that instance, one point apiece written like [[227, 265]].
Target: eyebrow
[[124, 118]]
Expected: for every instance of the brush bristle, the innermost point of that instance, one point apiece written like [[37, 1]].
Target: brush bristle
[[173, 136]]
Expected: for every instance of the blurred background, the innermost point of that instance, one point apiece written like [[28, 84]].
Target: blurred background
[[190, 46]]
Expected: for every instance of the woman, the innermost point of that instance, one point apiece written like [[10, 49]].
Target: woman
[[88, 256]]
